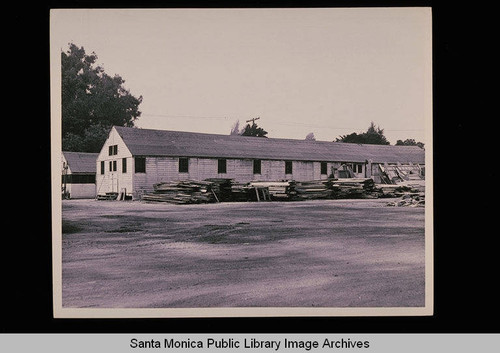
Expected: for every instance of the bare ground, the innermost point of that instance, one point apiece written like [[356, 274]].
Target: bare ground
[[325, 253]]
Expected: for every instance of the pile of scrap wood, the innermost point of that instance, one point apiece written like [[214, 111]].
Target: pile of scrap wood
[[222, 188], [313, 189], [342, 188], [276, 190], [410, 200], [399, 189], [182, 192], [392, 174], [240, 192], [353, 188], [108, 196]]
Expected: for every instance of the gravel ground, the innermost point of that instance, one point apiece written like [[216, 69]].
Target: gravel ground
[[324, 253]]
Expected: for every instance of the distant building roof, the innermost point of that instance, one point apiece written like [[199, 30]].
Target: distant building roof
[[148, 142], [81, 162]]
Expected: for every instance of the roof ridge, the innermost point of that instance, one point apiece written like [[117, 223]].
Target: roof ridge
[[263, 139]]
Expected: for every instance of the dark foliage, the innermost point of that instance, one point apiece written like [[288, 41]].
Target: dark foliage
[[92, 102]]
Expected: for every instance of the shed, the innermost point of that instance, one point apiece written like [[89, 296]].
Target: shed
[[78, 171]]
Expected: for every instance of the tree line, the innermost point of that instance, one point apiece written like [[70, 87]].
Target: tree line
[[92, 102]]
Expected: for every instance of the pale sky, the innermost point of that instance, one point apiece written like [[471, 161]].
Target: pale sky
[[326, 71]]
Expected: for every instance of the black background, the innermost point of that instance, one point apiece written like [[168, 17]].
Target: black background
[[466, 257]]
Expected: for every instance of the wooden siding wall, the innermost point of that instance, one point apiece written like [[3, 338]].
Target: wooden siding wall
[[164, 169], [114, 181], [81, 191], [158, 169]]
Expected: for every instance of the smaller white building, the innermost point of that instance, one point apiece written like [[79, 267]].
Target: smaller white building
[[78, 175]]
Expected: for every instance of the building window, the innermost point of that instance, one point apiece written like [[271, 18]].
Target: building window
[[102, 167], [79, 179], [110, 166], [357, 168], [183, 165], [114, 166], [140, 164], [288, 167], [124, 165], [257, 166], [324, 168], [221, 166], [113, 150]]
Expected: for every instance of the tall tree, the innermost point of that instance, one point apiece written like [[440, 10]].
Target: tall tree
[[235, 129], [310, 137], [409, 142], [92, 102], [253, 130], [373, 136]]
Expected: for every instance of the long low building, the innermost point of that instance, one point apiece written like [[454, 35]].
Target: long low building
[[132, 160]]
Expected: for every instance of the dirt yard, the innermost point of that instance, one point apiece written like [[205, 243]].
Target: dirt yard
[[325, 253]]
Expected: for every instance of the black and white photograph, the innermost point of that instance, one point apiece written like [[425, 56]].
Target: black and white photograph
[[241, 162]]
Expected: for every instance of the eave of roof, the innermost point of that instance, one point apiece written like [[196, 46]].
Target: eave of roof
[[81, 162]]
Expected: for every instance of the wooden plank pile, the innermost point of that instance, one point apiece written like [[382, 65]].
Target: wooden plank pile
[[391, 190], [108, 196], [182, 192], [401, 188], [393, 174], [410, 200], [314, 189], [240, 192], [222, 188], [353, 188], [277, 190]]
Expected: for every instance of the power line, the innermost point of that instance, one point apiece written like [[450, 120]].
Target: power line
[[168, 116], [185, 116], [343, 128]]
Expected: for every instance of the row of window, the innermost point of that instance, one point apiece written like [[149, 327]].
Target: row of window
[[356, 168], [140, 166], [78, 178], [113, 166]]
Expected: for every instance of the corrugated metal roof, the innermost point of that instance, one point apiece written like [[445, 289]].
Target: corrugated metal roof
[[81, 162], [147, 142]]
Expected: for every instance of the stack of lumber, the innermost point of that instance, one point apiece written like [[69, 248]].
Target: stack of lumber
[[399, 189], [415, 185], [314, 189], [393, 174], [182, 192], [277, 190], [353, 188], [108, 196], [222, 188], [240, 192], [343, 188], [391, 190]]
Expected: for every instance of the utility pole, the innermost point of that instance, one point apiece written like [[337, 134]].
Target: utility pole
[[252, 120]]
